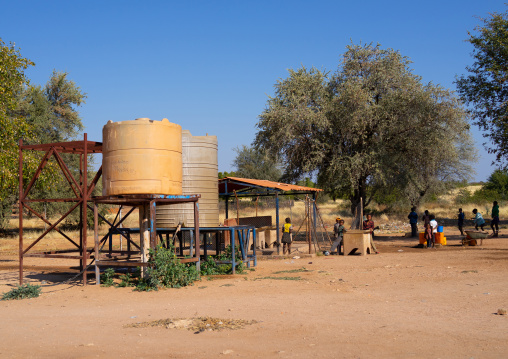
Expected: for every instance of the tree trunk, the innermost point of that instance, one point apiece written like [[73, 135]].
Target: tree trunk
[[360, 192]]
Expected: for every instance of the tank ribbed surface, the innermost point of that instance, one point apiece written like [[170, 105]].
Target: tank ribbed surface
[[200, 176], [142, 157]]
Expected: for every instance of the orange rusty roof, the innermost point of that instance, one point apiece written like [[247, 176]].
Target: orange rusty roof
[[238, 184]]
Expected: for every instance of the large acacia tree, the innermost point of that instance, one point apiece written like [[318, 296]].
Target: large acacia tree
[[371, 124], [485, 88]]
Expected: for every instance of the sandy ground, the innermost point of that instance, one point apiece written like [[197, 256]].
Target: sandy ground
[[402, 303]]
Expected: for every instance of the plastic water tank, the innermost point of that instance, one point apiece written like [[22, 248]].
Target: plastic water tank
[[142, 157], [200, 176]]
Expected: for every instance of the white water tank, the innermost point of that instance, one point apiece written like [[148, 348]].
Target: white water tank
[[199, 176]]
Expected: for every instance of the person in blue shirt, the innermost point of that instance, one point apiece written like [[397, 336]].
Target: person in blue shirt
[[413, 221], [478, 219]]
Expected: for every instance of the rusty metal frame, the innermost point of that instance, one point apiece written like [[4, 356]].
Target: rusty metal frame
[[81, 188], [151, 201]]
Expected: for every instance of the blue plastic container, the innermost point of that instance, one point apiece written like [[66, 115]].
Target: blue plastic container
[[440, 229]]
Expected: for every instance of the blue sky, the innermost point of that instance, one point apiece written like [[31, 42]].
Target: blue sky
[[210, 65]]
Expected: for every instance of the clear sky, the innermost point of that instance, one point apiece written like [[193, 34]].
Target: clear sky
[[210, 65]]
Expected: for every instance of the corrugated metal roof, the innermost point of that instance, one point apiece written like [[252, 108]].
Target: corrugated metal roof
[[238, 184]]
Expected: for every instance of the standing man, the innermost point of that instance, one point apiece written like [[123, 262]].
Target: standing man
[[495, 219], [413, 221]]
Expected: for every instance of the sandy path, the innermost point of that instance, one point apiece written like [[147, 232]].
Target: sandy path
[[402, 303]]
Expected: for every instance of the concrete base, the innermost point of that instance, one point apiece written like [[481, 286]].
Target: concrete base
[[356, 240]]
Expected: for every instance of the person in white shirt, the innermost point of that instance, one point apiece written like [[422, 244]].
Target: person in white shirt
[[433, 224]]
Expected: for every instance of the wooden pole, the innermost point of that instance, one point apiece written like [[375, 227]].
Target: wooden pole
[[237, 209], [84, 221], [309, 236], [20, 212], [96, 243], [144, 234]]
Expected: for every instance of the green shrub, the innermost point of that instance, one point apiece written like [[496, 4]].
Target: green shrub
[[463, 196], [107, 278], [210, 267], [22, 292], [486, 195], [165, 270], [126, 280]]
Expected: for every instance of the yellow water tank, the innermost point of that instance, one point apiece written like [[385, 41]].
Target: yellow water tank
[[200, 176], [142, 157]]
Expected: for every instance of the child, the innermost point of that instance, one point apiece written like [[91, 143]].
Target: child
[[368, 224], [494, 224], [427, 227], [478, 219], [338, 230], [460, 223], [433, 225], [287, 237]]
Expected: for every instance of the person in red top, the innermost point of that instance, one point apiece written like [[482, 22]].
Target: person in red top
[[368, 224]]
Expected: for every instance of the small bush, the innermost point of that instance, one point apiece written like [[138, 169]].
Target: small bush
[[463, 196], [210, 267], [126, 280], [165, 270], [107, 278], [23, 292]]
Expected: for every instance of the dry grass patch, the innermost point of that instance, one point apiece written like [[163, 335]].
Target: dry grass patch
[[197, 325]]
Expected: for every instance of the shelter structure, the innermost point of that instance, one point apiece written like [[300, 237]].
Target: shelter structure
[[234, 187]]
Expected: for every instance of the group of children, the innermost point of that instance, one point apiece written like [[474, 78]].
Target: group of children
[[430, 225], [338, 231], [480, 222]]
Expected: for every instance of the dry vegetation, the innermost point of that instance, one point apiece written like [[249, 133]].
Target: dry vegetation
[[444, 208]]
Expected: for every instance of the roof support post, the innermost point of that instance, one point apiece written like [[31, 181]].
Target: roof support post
[[314, 214], [20, 212], [277, 221], [227, 207], [84, 207]]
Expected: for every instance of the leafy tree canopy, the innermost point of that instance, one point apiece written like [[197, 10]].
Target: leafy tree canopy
[[36, 115], [52, 109], [498, 182], [485, 88], [257, 164], [226, 174], [372, 124], [12, 81]]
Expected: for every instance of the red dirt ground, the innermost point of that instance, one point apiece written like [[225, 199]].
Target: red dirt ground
[[402, 303]]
